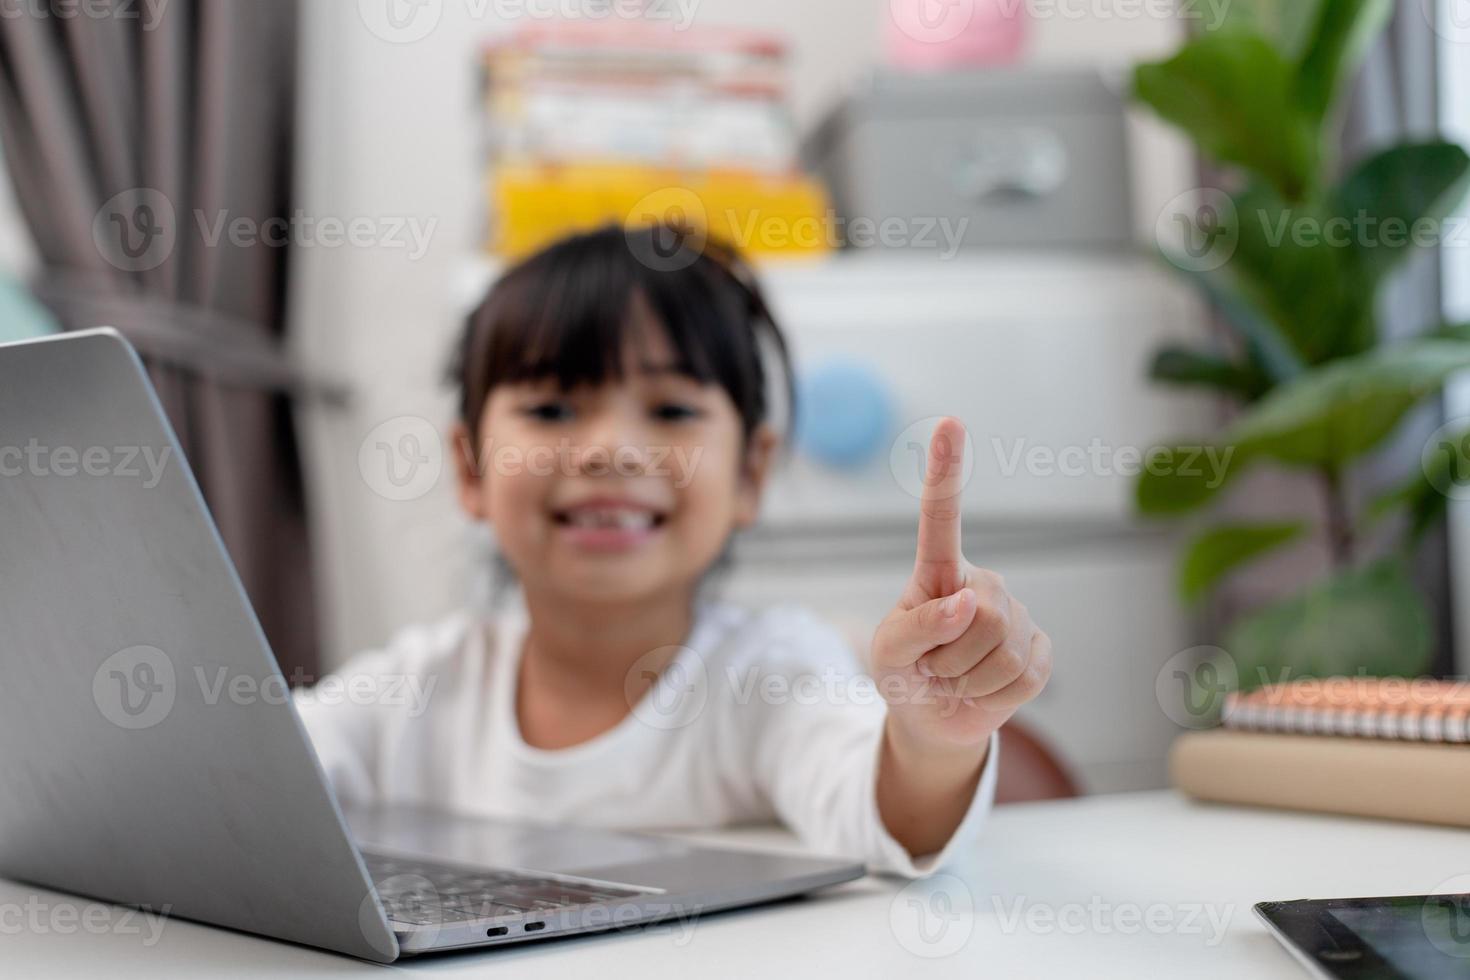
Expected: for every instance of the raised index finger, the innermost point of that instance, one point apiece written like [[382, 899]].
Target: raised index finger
[[938, 565]]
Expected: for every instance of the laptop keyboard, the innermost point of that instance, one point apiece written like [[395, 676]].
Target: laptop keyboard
[[420, 892]]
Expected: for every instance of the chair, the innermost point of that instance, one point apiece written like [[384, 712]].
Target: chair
[[1031, 771]]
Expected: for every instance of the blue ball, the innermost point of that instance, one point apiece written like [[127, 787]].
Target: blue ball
[[844, 413]]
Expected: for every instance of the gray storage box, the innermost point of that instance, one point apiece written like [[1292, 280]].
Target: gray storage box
[[1030, 157]]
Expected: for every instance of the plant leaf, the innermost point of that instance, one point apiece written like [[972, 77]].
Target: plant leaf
[[1344, 30], [1369, 620], [1287, 269], [1398, 187], [1233, 93], [1184, 366], [1335, 413], [1220, 550], [1268, 348], [1178, 479]]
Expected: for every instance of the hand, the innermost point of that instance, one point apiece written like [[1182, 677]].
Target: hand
[[959, 654]]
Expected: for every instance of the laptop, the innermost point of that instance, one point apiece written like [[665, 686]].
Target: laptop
[[153, 756]]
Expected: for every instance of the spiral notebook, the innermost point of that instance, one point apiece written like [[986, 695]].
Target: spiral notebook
[[1417, 710]]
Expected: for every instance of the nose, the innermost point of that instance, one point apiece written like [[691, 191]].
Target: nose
[[614, 442]]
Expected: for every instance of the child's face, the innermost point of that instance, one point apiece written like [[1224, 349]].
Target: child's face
[[616, 492]]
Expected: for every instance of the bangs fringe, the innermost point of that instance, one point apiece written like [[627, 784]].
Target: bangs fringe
[[571, 312]]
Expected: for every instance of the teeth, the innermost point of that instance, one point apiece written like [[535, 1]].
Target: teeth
[[626, 520]]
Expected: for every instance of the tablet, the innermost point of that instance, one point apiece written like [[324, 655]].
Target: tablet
[[1419, 937]]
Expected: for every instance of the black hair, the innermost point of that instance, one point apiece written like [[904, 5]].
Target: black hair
[[567, 313]]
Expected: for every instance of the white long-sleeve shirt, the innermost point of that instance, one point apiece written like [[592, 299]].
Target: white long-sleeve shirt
[[760, 716]]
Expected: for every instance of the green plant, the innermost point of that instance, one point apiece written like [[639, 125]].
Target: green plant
[[1294, 256]]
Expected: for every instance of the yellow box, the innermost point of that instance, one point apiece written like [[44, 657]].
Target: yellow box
[[533, 204]]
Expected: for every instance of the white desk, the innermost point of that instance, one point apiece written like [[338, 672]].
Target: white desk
[[1107, 886]]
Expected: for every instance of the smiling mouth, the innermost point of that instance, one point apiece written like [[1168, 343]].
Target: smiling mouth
[[609, 518]]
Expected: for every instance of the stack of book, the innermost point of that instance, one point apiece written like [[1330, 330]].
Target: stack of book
[[639, 120], [1373, 747]]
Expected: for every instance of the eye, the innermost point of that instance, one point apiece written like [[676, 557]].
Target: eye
[[675, 412], [551, 411]]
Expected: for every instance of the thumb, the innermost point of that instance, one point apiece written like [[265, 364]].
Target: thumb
[[908, 634]]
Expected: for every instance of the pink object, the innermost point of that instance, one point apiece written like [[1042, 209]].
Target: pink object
[[929, 35]]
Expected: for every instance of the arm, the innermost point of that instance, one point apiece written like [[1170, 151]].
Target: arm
[[925, 791]]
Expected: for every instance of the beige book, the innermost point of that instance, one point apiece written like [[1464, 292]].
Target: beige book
[[1361, 777]]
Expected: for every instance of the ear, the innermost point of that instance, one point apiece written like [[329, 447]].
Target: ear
[[754, 471], [469, 474]]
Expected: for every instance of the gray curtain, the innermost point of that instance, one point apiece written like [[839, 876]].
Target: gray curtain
[[135, 134]]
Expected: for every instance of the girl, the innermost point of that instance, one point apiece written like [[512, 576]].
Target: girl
[[614, 431]]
